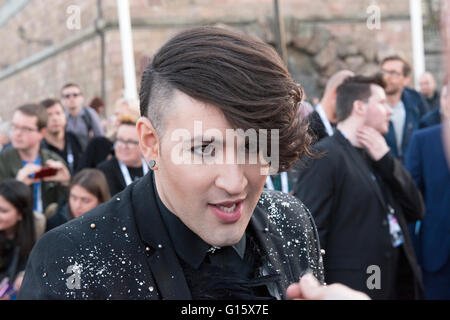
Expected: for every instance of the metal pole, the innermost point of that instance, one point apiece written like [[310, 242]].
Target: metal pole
[[279, 32], [415, 7], [129, 73], [102, 50]]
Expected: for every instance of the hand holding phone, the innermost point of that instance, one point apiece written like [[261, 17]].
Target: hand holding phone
[[45, 172]]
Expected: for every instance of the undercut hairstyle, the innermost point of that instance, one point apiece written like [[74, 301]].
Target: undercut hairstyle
[[242, 76], [36, 110], [353, 89], [406, 66]]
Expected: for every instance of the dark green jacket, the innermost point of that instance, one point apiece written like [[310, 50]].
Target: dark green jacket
[[11, 163]]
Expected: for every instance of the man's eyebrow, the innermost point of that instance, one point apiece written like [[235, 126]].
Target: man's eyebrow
[[204, 139]]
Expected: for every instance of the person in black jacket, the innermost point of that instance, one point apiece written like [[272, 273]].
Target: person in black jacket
[[361, 198], [434, 117], [68, 145], [127, 164], [195, 227], [323, 118], [17, 233]]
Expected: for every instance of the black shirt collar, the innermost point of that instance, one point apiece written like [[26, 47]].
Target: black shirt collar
[[188, 245]]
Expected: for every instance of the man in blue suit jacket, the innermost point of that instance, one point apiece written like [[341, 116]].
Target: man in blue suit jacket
[[426, 161], [408, 106]]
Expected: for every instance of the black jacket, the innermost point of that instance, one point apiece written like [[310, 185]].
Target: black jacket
[[97, 150], [350, 210], [114, 177], [122, 250], [74, 144], [316, 126]]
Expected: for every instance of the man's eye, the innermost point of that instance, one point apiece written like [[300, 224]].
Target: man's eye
[[203, 150]]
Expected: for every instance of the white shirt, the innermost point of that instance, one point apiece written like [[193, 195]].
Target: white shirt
[[398, 118], [324, 118]]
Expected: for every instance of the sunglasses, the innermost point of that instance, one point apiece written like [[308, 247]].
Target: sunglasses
[[67, 96]]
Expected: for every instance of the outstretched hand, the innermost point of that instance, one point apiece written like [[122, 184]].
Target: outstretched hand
[[308, 288]]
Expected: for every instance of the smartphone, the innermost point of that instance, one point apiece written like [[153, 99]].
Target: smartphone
[[45, 172]]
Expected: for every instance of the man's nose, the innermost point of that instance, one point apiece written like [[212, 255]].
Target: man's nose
[[232, 179]]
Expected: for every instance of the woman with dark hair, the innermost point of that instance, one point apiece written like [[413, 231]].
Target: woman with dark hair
[[87, 189], [17, 233]]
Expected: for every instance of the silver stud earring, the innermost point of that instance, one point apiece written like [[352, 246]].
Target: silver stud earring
[[152, 164]]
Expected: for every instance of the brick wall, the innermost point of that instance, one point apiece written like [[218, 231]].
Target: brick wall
[[157, 20]]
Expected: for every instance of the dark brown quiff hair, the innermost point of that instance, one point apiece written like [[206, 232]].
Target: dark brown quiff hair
[[242, 76], [35, 110], [355, 88]]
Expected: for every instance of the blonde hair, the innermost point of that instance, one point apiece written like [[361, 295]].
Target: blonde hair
[[132, 106]]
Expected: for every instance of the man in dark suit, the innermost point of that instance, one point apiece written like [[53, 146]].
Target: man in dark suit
[[427, 85], [434, 116], [408, 106], [428, 165], [202, 230], [323, 118], [361, 198]]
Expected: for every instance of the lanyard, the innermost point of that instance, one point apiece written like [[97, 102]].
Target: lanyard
[[70, 158], [126, 173]]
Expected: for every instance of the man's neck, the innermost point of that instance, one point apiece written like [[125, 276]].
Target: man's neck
[[29, 155], [75, 112], [430, 96], [349, 129], [134, 164], [56, 139], [394, 99]]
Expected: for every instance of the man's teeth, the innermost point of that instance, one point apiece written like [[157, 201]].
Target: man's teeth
[[227, 209]]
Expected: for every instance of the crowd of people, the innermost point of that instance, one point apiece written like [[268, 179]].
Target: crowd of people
[[364, 182]]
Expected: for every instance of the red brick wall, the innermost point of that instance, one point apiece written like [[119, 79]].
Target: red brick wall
[[81, 64]]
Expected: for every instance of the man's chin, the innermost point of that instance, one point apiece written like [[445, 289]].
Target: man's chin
[[391, 92]]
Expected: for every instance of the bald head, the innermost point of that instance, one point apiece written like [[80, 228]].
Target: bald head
[[328, 101], [427, 85], [336, 80]]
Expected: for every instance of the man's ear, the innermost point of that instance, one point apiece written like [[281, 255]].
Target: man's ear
[[359, 108], [148, 140]]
